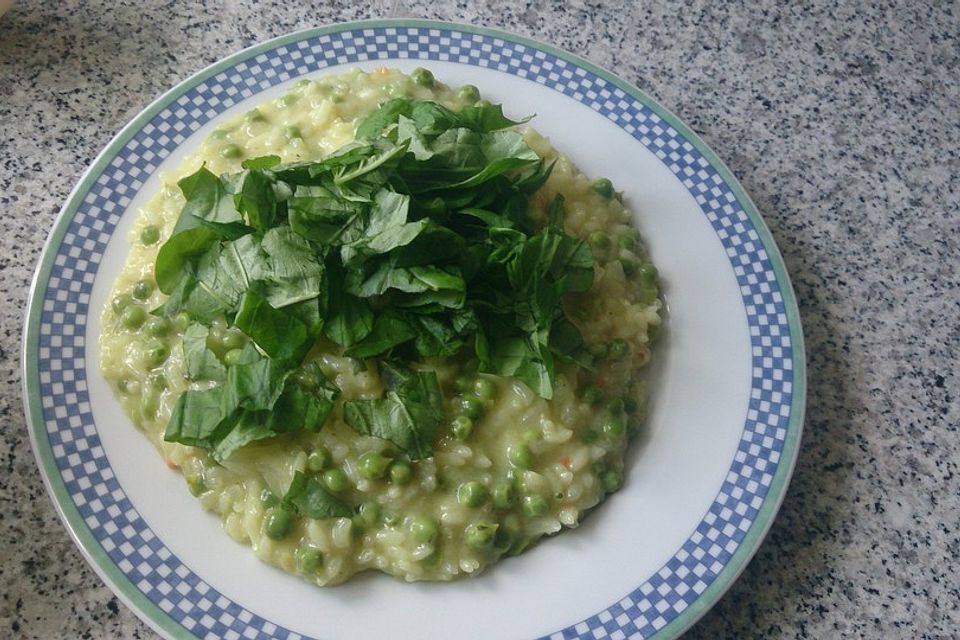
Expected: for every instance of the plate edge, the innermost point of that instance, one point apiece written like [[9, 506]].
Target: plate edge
[[156, 617]]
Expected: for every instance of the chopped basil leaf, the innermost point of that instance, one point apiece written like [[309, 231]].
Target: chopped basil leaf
[[409, 413], [202, 363], [310, 499], [413, 242]]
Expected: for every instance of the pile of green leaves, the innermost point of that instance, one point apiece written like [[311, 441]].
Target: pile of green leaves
[[413, 242]]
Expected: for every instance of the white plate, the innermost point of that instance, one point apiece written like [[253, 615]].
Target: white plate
[[703, 483]]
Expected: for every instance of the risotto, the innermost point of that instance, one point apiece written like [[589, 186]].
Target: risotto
[[426, 460]]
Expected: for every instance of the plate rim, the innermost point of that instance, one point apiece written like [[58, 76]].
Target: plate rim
[[73, 521]]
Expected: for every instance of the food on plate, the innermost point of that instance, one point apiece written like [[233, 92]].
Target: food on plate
[[377, 324]]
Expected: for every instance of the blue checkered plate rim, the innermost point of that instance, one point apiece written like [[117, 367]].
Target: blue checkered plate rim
[[165, 592]]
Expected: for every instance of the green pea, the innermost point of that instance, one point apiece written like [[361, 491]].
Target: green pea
[[603, 187], [268, 499], [401, 472], [309, 560], [630, 405], [535, 505], [513, 525], [181, 321], [231, 151], [233, 357], [336, 480], [156, 353], [120, 302], [288, 100], [503, 495], [292, 133], [648, 294], [215, 336], [373, 465], [149, 235], [422, 77], [219, 134], [472, 493], [599, 241], [630, 265], [424, 530], [532, 435], [157, 380], [614, 426], [233, 338], [319, 459], [463, 384], [485, 388], [254, 116], [480, 535], [589, 437], [157, 326], [461, 427], [615, 406], [592, 394], [648, 274], [468, 94], [520, 456], [196, 485], [127, 386], [503, 539], [611, 480], [278, 523], [132, 317], [619, 348], [471, 407], [300, 84], [629, 240], [370, 513]]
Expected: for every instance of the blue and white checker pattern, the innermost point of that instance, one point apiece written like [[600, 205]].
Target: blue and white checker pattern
[[72, 434]]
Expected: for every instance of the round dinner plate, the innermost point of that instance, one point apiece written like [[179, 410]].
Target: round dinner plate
[[704, 479]]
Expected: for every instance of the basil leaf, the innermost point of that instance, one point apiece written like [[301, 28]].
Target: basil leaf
[[202, 363], [309, 498], [255, 386], [408, 415], [206, 199], [280, 334], [249, 426], [349, 319], [254, 197], [386, 115], [389, 330], [436, 336], [522, 357], [190, 296], [317, 214], [488, 117], [198, 419], [262, 162], [174, 257], [290, 271]]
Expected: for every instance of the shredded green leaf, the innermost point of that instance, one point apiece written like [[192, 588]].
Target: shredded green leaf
[[413, 242]]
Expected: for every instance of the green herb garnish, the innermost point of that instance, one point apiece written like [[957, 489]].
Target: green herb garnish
[[413, 242]]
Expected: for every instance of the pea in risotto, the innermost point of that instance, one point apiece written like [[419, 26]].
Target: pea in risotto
[[378, 324]]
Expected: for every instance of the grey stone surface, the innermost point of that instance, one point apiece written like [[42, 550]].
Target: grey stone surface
[[842, 122]]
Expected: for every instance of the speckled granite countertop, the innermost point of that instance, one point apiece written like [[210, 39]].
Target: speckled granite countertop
[[841, 121]]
